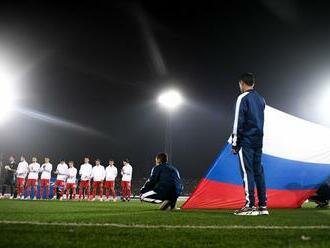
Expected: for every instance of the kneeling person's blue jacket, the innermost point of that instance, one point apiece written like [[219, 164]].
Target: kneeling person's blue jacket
[[165, 180]]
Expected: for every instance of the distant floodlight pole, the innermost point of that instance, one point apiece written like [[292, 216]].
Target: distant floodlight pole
[[170, 100]]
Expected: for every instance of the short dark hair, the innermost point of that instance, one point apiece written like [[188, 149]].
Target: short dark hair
[[248, 78], [111, 159], [98, 160], [71, 162], [126, 160], [162, 157]]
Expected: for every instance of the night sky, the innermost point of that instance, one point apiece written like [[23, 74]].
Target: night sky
[[98, 67]]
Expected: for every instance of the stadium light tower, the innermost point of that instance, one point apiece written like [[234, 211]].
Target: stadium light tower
[[170, 100]]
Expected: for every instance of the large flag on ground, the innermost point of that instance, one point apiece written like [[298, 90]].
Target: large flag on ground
[[296, 160]]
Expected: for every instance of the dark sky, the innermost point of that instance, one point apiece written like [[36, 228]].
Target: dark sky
[[101, 66]]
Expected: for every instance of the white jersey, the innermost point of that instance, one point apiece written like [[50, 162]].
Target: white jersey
[[85, 171], [111, 173], [72, 174], [34, 171], [22, 169], [46, 170], [98, 173], [126, 173], [62, 171]]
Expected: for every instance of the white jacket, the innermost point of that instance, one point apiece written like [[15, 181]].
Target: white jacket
[[126, 173], [111, 173], [22, 169], [46, 170], [85, 171], [62, 171], [72, 174], [98, 173], [34, 171]]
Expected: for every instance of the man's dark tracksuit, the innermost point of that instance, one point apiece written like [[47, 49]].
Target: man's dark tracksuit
[[10, 179], [247, 140], [164, 183]]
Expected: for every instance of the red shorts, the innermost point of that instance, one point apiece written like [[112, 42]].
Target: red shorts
[[97, 184], [125, 184], [84, 184], [70, 185], [109, 184], [44, 182], [31, 182], [59, 183], [20, 182]]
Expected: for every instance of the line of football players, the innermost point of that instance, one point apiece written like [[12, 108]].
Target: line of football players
[[102, 179]]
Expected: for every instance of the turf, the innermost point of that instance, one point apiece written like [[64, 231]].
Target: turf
[[135, 213]]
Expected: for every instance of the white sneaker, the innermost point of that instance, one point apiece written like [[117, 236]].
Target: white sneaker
[[11, 197], [101, 199], [27, 198], [114, 199], [263, 211], [93, 199], [54, 198], [22, 197], [34, 198], [249, 211]]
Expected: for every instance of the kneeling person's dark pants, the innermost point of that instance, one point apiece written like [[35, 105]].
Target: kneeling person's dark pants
[[253, 175], [154, 197]]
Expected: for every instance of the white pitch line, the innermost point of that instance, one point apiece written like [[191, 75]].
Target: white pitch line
[[142, 226]]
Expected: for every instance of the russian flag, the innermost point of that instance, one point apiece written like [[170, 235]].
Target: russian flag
[[296, 160]]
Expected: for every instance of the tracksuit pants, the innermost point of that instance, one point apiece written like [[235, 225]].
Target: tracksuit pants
[[253, 175], [11, 186]]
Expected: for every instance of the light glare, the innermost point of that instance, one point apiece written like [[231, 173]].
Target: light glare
[[324, 104], [170, 99], [7, 98]]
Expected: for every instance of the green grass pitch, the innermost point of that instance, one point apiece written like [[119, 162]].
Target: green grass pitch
[[136, 224]]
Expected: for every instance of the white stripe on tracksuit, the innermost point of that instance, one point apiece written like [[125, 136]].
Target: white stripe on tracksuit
[[238, 105], [144, 197], [245, 178]]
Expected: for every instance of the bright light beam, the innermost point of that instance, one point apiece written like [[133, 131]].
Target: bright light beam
[[170, 99], [7, 99], [56, 121], [324, 104]]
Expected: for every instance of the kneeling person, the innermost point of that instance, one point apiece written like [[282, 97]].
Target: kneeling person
[[164, 184]]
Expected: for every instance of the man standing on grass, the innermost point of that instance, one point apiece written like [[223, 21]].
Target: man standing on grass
[[46, 170], [126, 179], [32, 180], [98, 174], [164, 184], [71, 181], [247, 140], [110, 178], [61, 172], [85, 173], [9, 177], [21, 172]]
